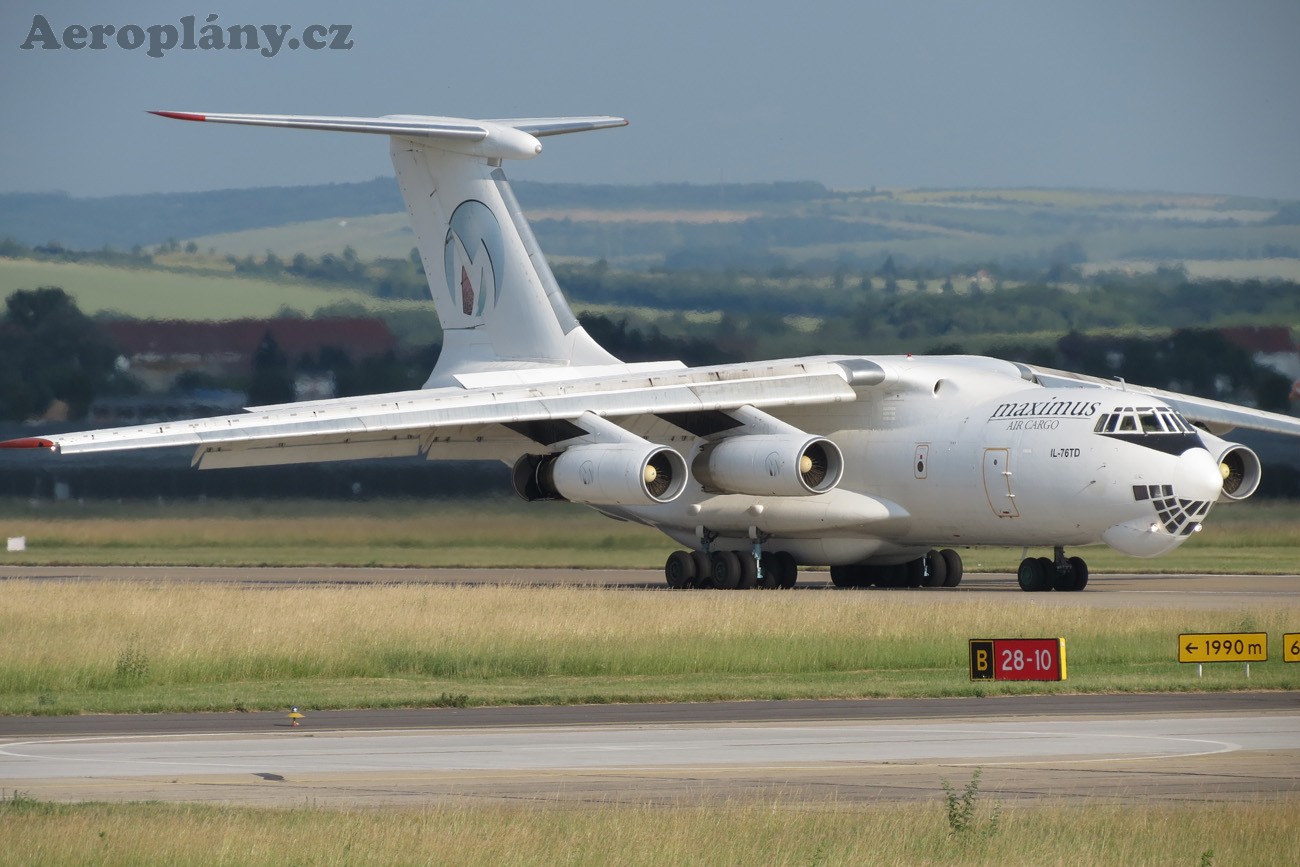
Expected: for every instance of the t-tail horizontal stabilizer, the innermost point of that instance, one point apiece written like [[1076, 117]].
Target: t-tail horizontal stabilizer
[[497, 300]]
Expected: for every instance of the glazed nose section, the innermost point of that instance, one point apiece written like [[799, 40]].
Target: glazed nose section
[[1176, 509]]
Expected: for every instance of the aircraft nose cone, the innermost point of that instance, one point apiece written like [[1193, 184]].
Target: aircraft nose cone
[[1198, 476]]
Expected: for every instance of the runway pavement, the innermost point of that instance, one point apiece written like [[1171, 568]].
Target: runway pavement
[[1109, 591], [1227, 746]]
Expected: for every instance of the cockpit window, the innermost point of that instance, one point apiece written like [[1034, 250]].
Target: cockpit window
[[1143, 419]]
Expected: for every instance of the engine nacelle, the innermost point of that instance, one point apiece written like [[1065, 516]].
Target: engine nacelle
[[603, 474], [770, 465], [1238, 465]]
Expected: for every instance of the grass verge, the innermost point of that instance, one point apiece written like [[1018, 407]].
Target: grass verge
[[127, 647], [36, 833]]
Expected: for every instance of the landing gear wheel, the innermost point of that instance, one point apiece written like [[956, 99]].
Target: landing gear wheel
[[1047, 569], [845, 576], [936, 569], [1032, 576], [952, 560], [703, 575], [894, 576], [1079, 569], [1027, 575], [748, 572], [680, 570], [1062, 579], [726, 570], [914, 570], [787, 569]]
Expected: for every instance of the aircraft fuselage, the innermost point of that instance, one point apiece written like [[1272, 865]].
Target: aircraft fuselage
[[952, 455]]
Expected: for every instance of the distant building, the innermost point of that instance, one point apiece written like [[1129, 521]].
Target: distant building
[[158, 352], [1271, 346]]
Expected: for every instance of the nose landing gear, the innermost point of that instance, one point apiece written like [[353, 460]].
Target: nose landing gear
[[1039, 574]]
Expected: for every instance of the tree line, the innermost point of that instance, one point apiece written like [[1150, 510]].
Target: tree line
[[50, 351]]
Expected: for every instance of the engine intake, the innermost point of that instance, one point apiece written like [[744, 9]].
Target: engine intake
[[603, 474], [1241, 472], [1238, 465], [772, 465]]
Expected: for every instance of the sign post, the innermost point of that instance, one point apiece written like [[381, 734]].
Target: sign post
[[1017, 659]]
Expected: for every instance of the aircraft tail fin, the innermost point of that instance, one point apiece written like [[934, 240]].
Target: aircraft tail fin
[[497, 300]]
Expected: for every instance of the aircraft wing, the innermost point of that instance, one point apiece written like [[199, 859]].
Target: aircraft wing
[[1218, 417], [471, 423]]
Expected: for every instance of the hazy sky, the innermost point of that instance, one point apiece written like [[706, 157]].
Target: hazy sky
[[1174, 95]]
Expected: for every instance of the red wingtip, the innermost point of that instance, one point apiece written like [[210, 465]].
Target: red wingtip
[[180, 115], [28, 443]]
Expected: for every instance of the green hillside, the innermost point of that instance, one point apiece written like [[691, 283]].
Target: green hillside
[[375, 236], [149, 293], [127, 221], [857, 231], [179, 293], [752, 270], [754, 227]]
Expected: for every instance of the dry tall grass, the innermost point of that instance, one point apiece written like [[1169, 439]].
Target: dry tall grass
[[1188, 834], [67, 639]]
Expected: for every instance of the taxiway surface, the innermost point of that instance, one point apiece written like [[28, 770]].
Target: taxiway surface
[[1110, 591]]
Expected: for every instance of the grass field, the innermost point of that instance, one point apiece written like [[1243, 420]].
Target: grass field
[[772, 833], [155, 293], [1228, 269], [380, 235], [92, 646], [1254, 537]]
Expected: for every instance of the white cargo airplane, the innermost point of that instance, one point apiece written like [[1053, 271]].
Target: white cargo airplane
[[877, 466]]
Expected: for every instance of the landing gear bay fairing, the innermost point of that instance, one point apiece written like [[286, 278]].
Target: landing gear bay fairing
[[876, 466]]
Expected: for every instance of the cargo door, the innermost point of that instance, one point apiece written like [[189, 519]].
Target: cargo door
[[998, 483]]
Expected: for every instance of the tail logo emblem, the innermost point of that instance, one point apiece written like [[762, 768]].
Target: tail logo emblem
[[472, 253]]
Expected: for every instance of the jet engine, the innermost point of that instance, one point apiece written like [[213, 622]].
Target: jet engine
[[1238, 465], [603, 474], [770, 465]]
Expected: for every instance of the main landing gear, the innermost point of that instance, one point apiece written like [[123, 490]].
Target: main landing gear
[[1040, 574], [935, 569], [730, 570]]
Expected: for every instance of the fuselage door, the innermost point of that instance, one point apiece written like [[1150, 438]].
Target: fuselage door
[[997, 483]]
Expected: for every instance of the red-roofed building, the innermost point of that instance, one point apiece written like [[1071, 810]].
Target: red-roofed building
[[1271, 346], [1260, 339], [157, 352]]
